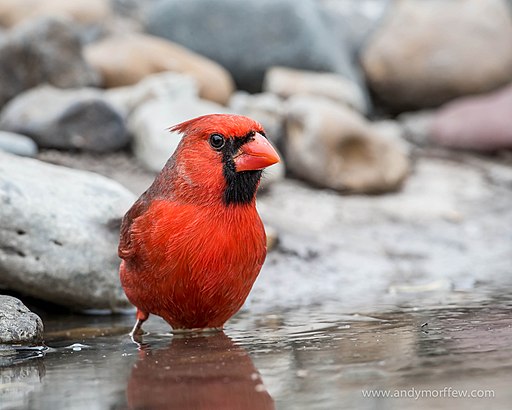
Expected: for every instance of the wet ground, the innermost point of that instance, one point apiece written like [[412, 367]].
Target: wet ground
[[309, 358]]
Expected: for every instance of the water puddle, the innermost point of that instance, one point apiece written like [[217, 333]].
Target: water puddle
[[314, 358]]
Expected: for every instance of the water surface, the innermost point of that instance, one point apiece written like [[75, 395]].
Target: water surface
[[314, 357]]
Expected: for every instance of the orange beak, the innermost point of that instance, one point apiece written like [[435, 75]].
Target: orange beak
[[256, 154]]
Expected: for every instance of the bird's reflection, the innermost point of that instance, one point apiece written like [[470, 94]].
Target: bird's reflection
[[201, 372]]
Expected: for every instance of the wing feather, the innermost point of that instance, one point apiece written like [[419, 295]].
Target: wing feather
[[127, 246]]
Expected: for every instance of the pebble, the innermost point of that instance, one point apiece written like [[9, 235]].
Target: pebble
[[18, 325], [17, 144]]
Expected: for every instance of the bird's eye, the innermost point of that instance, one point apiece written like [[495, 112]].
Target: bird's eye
[[217, 141]]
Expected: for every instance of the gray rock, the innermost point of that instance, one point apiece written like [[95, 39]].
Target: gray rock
[[17, 144], [18, 325], [251, 36], [286, 82], [46, 50], [66, 119], [333, 146], [153, 144], [429, 52], [59, 230]]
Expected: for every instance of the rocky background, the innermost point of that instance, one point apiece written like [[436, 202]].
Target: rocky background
[[394, 119]]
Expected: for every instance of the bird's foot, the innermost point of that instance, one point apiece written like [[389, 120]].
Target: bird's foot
[[137, 332]]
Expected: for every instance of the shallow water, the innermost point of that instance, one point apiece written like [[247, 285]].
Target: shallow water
[[308, 358]]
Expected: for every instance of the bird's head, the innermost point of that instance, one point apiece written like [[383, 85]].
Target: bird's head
[[222, 156]]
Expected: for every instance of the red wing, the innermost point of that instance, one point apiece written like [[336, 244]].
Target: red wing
[[127, 247]]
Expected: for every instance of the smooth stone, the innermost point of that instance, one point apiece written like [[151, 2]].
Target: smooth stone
[[426, 53], [18, 325], [126, 59], [45, 50], [481, 123], [333, 146], [286, 82], [66, 119], [17, 144], [59, 230]]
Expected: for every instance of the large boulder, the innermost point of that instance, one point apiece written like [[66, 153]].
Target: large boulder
[[428, 52], [333, 146], [59, 230], [128, 58], [18, 325], [482, 123], [66, 119], [46, 50], [251, 36]]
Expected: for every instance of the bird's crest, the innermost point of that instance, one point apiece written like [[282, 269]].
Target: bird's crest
[[229, 125]]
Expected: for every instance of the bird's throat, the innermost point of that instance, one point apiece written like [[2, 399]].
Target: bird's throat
[[240, 186]]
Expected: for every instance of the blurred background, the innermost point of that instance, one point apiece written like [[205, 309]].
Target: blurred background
[[393, 118]]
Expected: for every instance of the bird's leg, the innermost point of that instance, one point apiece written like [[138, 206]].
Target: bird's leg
[[137, 332]]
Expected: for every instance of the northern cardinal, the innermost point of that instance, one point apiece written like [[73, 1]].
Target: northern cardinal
[[193, 244]]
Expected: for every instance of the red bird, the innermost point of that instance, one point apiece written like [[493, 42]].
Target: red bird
[[193, 244]]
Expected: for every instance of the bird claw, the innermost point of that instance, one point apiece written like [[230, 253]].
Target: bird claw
[[136, 338], [137, 333]]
